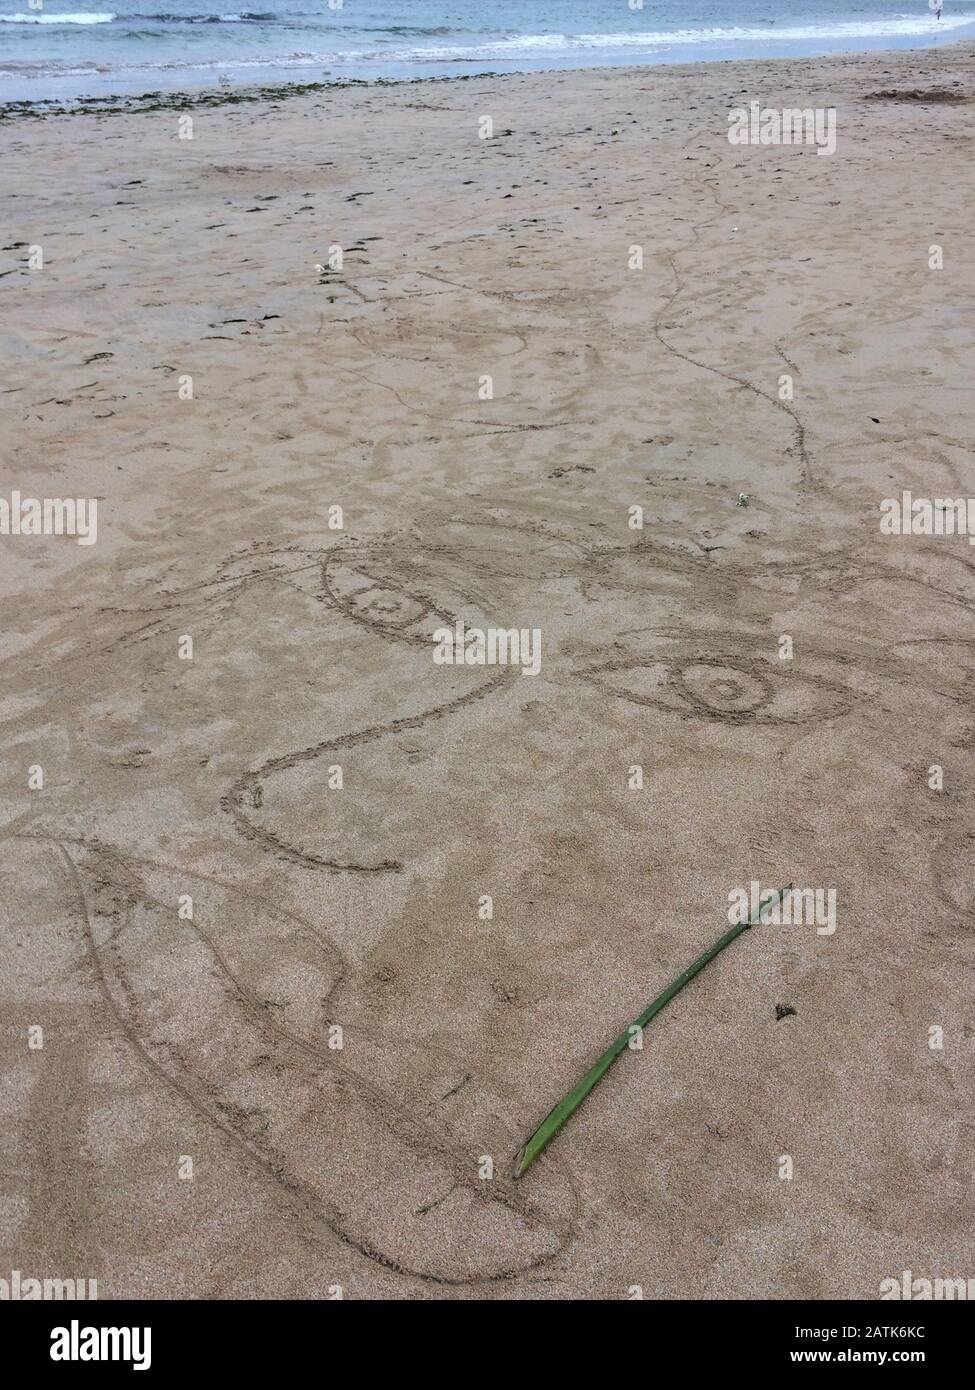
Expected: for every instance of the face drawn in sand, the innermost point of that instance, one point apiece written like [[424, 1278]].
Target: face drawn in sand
[[729, 674], [229, 1013]]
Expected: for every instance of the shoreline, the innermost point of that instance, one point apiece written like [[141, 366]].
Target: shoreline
[[231, 95]]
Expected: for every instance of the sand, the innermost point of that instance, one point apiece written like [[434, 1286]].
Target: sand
[[295, 1091]]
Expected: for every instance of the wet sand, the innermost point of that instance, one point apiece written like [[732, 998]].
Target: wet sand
[[336, 1036]]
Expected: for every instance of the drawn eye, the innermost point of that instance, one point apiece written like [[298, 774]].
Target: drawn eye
[[730, 689], [720, 688], [362, 593], [385, 607]]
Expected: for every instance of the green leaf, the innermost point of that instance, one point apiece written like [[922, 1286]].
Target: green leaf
[[566, 1107]]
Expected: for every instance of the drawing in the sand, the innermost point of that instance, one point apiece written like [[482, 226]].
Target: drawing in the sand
[[484, 545]]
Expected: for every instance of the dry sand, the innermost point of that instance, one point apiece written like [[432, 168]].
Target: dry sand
[[165, 1038]]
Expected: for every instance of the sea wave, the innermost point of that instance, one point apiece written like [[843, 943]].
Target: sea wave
[[501, 46], [880, 27], [837, 29], [287, 20], [513, 46], [90, 18], [358, 48], [261, 17], [86, 17], [661, 38], [83, 18]]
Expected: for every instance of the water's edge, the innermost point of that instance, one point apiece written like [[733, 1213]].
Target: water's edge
[[185, 86], [121, 103]]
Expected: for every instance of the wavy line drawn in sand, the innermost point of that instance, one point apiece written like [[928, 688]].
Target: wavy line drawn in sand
[[204, 1032], [233, 801], [800, 445]]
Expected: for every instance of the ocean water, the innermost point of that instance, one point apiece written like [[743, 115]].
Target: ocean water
[[69, 48]]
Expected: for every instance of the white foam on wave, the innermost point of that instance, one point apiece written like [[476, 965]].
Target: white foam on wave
[[879, 27], [84, 18], [508, 49], [773, 33], [525, 44]]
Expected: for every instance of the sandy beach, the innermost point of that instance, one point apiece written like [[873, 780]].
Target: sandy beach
[[286, 1048]]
